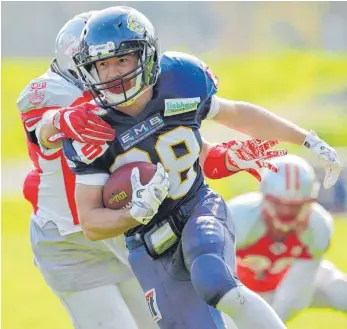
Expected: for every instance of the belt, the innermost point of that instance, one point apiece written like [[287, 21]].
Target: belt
[[157, 240]]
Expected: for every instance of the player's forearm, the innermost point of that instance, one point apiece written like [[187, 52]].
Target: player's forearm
[[258, 122], [205, 150], [47, 130], [97, 222], [103, 223]]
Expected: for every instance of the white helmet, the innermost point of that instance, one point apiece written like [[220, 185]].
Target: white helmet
[[288, 194], [66, 45]]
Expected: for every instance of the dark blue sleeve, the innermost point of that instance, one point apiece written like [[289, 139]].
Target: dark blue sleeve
[[83, 159], [186, 76], [211, 89]]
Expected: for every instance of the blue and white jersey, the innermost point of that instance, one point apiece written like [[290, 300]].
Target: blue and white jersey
[[166, 131]]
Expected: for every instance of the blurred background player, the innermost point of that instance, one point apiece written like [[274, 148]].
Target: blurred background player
[[282, 235], [92, 279]]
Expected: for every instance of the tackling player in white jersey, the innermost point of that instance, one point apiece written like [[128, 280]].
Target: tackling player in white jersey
[[92, 279], [282, 235]]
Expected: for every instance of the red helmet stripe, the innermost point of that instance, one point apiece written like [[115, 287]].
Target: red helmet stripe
[[287, 170], [292, 173], [297, 178]]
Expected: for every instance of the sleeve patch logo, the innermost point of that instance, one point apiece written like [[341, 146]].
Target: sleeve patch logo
[[180, 105]]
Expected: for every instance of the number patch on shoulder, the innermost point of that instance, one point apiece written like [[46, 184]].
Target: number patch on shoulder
[[87, 153]]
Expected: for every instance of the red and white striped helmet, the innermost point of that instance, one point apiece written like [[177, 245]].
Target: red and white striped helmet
[[295, 182], [289, 193]]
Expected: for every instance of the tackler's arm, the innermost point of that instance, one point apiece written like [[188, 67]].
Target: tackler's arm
[[80, 123]]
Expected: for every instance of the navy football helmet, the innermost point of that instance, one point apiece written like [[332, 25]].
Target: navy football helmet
[[114, 32]]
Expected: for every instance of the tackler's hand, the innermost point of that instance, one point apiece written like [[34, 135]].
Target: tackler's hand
[[81, 123], [252, 155]]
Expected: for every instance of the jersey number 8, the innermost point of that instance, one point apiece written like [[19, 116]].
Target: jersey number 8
[[179, 166]]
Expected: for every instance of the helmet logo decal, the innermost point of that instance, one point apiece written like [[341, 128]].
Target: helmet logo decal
[[103, 49], [70, 47], [134, 24]]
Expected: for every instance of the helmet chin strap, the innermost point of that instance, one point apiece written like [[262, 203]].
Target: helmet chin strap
[[131, 101], [113, 98]]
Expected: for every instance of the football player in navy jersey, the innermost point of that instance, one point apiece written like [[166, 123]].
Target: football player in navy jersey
[[178, 231]]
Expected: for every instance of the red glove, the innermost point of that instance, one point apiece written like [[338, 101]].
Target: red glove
[[249, 156], [82, 124]]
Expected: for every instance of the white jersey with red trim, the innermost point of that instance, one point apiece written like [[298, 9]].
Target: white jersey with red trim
[[262, 262], [50, 186]]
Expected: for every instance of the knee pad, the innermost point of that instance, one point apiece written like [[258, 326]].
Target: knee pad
[[212, 278], [337, 294]]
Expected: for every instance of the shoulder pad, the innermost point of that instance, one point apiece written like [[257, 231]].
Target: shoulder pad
[[245, 201], [48, 90], [83, 159], [82, 152], [186, 76], [245, 213], [318, 234]]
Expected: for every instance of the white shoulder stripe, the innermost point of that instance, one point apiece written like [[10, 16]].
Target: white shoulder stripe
[[214, 108]]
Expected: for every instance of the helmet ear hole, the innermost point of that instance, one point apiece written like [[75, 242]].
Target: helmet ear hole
[[88, 67], [75, 75]]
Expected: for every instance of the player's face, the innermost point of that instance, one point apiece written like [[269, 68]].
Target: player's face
[[112, 68], [287, 212], [285, 216]]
